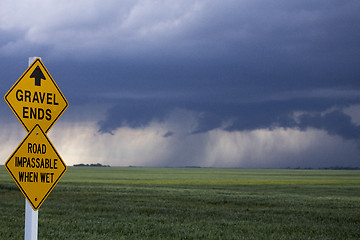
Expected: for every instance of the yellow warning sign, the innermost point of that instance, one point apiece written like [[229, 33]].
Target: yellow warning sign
[[36, 99], [36, 166]]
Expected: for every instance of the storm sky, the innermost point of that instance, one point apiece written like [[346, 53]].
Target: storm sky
[[211, 83]]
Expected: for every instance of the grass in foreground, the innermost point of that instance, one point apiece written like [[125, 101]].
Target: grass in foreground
[[175, 203]]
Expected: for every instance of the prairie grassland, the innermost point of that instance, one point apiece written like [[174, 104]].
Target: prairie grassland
[[190, 203]]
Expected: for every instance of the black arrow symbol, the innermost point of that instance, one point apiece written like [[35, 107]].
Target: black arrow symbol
[[38, 75]]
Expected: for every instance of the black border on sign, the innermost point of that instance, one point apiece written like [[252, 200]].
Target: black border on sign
[[16, 83], [15, 179]]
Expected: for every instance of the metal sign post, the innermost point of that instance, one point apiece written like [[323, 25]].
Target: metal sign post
[[31, 222], [31, 216]]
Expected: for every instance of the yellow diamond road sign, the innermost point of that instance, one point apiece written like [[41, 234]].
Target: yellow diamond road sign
[[36, 99], [36, 167]]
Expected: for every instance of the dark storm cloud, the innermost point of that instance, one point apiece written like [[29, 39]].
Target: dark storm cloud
[[243, 114], [135, 114], [257, 70], [334, 122], [237, 65]]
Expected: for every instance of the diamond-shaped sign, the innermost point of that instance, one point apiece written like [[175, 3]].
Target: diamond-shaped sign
[[36, 99], [36, 167]]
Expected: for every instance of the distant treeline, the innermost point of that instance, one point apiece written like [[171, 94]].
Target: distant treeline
[[300, 168], [341, 168], [90, 165], [330, 168]]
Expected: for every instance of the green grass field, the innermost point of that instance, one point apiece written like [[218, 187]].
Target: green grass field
[[178, 203]]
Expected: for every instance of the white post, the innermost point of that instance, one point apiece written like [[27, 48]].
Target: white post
[[31, 222], [31, 216], [32, 59]]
